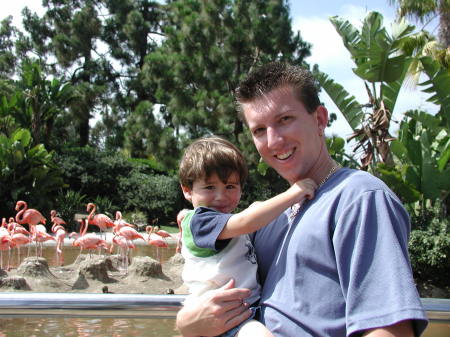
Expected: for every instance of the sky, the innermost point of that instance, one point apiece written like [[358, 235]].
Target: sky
[[328, 51]]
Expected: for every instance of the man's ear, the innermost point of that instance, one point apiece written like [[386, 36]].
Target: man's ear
[[322, 118], [187, 192]]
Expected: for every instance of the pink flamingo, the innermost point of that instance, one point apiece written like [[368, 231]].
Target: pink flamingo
[[124, 245], [19, 239], [5, 244], [119, 222], [87, 241], [40, 235], [60, 234], [29, 216], [16, 228], [56, 220], [100, 220], [129, 234], [155, 240], [161, 232]]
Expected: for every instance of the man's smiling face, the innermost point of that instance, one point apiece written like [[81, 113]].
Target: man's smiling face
[[285, 134]]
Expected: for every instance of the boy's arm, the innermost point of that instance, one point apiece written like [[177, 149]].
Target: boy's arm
[[262, 213]]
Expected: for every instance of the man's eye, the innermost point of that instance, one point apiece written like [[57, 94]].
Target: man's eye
[[285, 118], [209, 187], [258, 131]]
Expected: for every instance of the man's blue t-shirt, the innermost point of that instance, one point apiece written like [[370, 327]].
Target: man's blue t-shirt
[[341, 266]]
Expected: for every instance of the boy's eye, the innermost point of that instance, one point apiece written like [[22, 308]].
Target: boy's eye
[[230, 187]]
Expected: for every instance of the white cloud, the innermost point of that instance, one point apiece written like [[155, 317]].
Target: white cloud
[[14, 8], [329, 53]]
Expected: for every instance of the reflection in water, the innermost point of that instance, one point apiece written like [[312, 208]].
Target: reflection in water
[[85, 327], [118, 327]]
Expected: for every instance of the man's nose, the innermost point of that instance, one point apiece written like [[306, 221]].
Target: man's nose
[[273, 137]]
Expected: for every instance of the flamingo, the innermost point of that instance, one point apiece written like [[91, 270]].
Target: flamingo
[[155, 240], [119, 222], [161, 232], [14, 227], [5, 244], [28, 216], [87, 241], [124, 245], [60, 234], [100, 220], [19, 239], [56, 220], [40, 235]]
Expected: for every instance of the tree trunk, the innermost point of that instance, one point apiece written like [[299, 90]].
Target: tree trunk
[[444, 27]]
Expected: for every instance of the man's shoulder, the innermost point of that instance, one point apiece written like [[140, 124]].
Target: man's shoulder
[[357, 180]]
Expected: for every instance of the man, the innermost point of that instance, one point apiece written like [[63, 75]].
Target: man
[[336, 266]]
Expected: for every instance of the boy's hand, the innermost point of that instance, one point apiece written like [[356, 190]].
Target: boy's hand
[[304, 189]]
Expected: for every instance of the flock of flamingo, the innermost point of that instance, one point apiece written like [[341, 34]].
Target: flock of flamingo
[[14, 235]]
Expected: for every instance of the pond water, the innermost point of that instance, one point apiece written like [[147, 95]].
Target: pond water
[[119, 327], [40, 325]]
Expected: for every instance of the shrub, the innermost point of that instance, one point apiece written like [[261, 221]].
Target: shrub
[[158, 196], [429, 248]]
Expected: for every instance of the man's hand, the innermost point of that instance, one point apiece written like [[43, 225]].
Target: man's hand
[[214, 313]]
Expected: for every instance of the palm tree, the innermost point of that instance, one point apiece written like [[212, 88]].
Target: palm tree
[[426, 10]]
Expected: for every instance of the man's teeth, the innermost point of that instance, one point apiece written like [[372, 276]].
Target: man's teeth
[[284, 155]]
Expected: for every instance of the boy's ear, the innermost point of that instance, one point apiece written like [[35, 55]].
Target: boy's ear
[[187, 193]]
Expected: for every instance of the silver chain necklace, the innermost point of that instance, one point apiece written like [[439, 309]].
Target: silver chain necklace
[[295, 208]]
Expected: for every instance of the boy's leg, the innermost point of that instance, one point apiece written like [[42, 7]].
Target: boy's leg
[[253, 328]]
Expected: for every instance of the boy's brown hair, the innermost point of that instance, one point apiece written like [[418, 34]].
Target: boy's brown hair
[[206, 156]]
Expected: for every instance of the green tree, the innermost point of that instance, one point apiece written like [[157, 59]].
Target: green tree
[[383, 67], [70, 33], [425, 10], [132, 30], [209, 45], [27, 172]]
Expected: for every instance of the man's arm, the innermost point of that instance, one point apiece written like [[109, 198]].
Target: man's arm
[[400, 329], [262, 213], [216, 312]]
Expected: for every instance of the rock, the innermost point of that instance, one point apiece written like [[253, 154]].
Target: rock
[[35, 267], [14, 282], [95, 269], [145, 266], [177, 259]]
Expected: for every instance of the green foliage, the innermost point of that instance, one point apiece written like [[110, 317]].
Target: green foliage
[[336, 148], [382, 64], [67, 204], [157, 196], [93, 173], [27, 172], [429, 248], [209, 46], [437, 85], [422, 151]]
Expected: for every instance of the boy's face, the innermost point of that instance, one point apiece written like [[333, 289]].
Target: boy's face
[[213, 193]]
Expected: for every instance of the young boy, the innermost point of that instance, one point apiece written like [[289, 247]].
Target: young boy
[[215, 245]]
